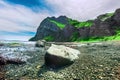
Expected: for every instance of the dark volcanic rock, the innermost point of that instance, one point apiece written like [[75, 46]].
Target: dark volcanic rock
[[2, 61], [66, 33], [46, 28], [116, 17], [100, 29], [84, 32], [61, 19], [15, 61]]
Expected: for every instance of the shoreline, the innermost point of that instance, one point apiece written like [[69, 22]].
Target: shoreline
[[94, 61]]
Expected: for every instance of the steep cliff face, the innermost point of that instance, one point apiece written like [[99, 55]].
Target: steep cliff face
[[107, 25], [66, 33], [101, 28], [45, 29], [66, 29], [116, 17], [50, 28]]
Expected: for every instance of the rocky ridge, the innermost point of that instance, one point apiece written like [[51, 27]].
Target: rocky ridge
[[63, 29]]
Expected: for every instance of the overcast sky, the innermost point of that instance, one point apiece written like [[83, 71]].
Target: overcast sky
[[19, 19]]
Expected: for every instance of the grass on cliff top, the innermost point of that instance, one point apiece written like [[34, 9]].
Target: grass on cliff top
[[60, 25], [78, 24], [75, 23], [106, 16]]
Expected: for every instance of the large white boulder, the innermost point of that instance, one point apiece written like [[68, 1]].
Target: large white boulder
[[59, 56]]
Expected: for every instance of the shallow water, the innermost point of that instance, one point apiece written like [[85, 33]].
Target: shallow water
[[25, 51], [16, 49]]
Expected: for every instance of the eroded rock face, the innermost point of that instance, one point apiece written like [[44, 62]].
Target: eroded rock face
[[45, 29], [59, 56], [100, 29], [103, 25], [66, 33], [48, 28], [61, 19], [84, 32], [116, 17]]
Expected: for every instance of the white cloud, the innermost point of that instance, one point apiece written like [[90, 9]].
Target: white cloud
[[83, 9], [16, 18]]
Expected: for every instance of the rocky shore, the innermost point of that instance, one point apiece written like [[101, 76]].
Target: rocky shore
[[97, 61]]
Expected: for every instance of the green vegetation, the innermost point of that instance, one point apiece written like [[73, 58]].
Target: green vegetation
[[84, 24], [97, 39], [91, 39], [115, 37], [74, 36], [105, 16], [60, 25], [78, 24], [75, 23], [49, 38]]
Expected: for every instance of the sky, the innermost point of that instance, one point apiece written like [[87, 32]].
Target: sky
[[19, 19]]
